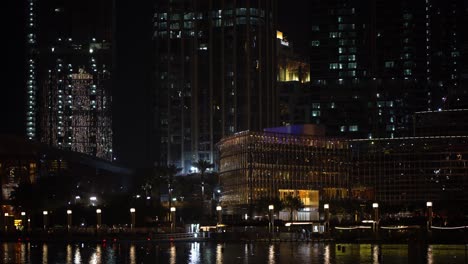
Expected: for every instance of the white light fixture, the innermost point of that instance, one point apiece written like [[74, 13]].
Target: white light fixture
[[93, 198], [219, 208], [173, 209], [45, 212], [375, 205], [23, 213], [98, 211], [132, 210], [6, 214], [69, 212], [429, 204], [326, 206], [271, 207]]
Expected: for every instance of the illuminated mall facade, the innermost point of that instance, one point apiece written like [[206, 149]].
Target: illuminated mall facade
[[392, 171]]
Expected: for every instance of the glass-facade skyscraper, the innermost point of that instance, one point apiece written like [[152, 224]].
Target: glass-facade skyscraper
[[69, 63], [215, 73], [375, 63]]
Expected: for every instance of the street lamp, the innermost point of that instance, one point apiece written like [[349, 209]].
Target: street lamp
[[132, 215], [429, 215], [69, 219], [326, 207], [23, 220], [271, 212], [6, 221], [375, 206], [45, 216], [173, 215], [98, 215], [219, 209]]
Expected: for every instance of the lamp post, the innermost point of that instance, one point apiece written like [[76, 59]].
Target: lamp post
[[6, 221], [23, 220], [45, 215], [132, 215], [375, 206], [429, 215], [69, 219], [98, 216], [271, 209], [326, 207], [219, 210], [173, 215]]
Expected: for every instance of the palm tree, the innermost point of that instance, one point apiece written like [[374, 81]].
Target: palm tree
[[152, 182], [263, 203], [170, 172], [203, 166], [293, 203]]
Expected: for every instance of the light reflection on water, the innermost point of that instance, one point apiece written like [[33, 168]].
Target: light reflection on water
[[219, 253]]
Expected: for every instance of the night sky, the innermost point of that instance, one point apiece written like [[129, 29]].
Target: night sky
[[132, 72]]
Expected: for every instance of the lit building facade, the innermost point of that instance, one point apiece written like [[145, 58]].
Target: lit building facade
[[267, 165], [410, 171], [391, 171], [215, 74], [69, 66], [396, 58]]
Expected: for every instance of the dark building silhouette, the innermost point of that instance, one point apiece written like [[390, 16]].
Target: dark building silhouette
[[69, 63], [215, 74], [378, 62]]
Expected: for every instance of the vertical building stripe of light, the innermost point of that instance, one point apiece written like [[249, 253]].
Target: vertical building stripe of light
[[31, 72], [454, 53], [428, 39]]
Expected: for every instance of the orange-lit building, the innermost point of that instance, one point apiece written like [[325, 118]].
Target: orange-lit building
[[266, 165], [299, 160]]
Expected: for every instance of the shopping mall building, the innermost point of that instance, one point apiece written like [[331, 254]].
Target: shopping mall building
[[301, 160]]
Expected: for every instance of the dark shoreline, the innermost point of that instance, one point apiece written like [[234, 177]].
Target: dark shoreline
[[246, 237]]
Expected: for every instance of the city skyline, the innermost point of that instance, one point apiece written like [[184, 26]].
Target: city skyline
[[389, 96]]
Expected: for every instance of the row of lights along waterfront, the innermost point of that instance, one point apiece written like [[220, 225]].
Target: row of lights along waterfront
[[326, 208], [375, 221]]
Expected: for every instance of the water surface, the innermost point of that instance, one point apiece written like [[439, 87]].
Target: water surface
[[218, 253]]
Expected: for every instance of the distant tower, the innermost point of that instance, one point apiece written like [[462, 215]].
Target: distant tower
[[70, 63], [215, 74]]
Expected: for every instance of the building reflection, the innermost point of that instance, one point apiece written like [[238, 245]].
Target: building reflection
[[375, 254], [77, 257], [69, 253], [133, 255], [172, 254], [45, 254], [219, 254], [326, 255], [271, 254], [194, 253]]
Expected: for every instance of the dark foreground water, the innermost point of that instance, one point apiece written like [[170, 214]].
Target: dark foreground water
[[210, 252]]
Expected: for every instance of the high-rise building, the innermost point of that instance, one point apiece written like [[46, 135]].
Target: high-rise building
[[385, 61], [215, 74], [292, 83], [69, 63]]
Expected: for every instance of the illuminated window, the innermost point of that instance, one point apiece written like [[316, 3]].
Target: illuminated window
[[315, 43], [353, 128]]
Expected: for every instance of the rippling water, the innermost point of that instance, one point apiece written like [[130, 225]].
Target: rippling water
[[210, 252]]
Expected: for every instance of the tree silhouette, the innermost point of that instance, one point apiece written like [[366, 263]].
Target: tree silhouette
[[169, 173], [203, 166], [292, 203]]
